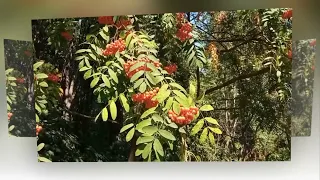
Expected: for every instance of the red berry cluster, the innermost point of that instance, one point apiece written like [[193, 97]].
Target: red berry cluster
[[184, 32], [38, 129], [108, 20], [290, 54], [28, 53], [313, 67], [66, 35], [122, 23], [146, 98], [287, 14], [313, 42], [9, 115], [113, 48], [53, 78], [185, 117], [171, 68], [128, 65], [20, 80], [180, 17]]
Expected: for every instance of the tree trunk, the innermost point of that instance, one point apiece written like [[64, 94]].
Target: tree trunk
[[133, 149]]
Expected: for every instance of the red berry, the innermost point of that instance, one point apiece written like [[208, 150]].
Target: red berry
[[66, 35], [108, 20], [313, 43]]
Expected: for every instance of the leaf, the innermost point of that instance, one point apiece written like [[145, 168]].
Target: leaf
[[215, 130], [163, 88], [41, 76], [278, 73], [211, 120], [169, 103], [176, 107], [150, 130], [137, 65], [37, 65], [44, 84], [206, 108], [87, 74], [43, 159], [148, 112], [85, 68], [144, 139], [130, 134], [178, 86], [113, 110], [40, 146], [157, 118], [211, 138], [11, 128], [106, 80], [77, 58], [204, 135], [191, 56], [104, 36], [104, 114], [37, 118], [139, 150], [143, 87], [83, 50], [136, 76], [163, 96], [143, 124], [126, 127], [158, 147], [192, 90], [113, 75], [138, 83], [124, 102], [166, 134], [173, 125], [197, 127], [150, 78], [147, 150], [94, 82], [128, 39]]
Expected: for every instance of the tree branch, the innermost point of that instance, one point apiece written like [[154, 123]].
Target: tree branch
[[242, 76]]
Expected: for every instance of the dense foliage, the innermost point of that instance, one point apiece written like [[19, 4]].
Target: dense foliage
[[303, 66], [19, 88], [204, 86]]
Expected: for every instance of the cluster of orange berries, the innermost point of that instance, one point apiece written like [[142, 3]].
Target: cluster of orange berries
[[172, 68], [66, 35], [53, 78], [180, 17], [313, 42], [185, 117], [128, 65], [146, 98], [28, 53], [38, 129], [108, 20], [290, 54], [287, 14], [20, 80], [113, 48], [9, 115], [122, 23], [184, 33]]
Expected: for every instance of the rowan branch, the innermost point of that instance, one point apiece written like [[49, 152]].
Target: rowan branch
[[242, 76]]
